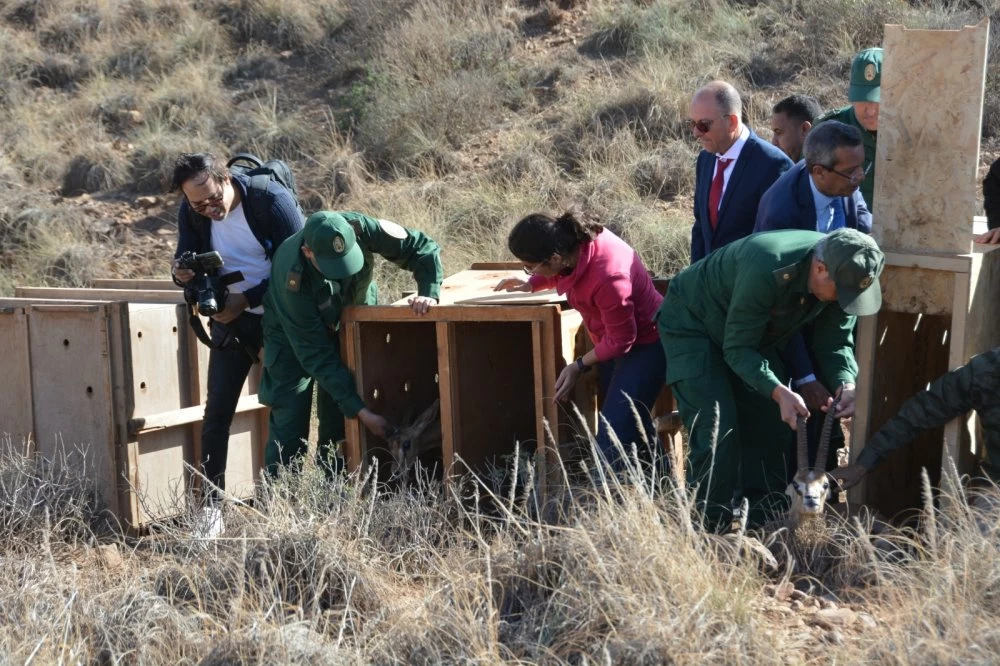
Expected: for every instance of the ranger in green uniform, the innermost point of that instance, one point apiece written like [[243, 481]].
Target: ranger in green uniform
[[864, 94], [722, 323], [975, 385], [315, 273]]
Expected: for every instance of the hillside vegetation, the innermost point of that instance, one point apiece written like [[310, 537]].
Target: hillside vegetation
[[454, 117]]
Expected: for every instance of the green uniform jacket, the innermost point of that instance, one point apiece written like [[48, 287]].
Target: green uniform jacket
[[306, 307], [846, 116], [975, 385], [749, 298]]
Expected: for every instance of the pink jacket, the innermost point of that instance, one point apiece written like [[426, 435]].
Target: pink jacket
[[612, 291]]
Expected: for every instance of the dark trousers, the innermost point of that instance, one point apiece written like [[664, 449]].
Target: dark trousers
[[227, 371], [638, 375]]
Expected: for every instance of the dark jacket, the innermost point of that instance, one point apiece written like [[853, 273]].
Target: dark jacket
[[757, 168], [789, 204], [273, 216]]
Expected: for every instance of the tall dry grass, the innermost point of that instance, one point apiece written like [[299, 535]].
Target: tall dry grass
[[330, 571]]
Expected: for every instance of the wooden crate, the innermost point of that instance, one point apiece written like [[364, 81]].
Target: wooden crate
[[938, 289], [491, 359], [119, 387]]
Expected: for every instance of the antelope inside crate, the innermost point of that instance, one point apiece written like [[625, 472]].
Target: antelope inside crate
[[482, 371]]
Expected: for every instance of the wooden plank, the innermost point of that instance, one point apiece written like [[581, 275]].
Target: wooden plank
[[188, 415], [355, 446], [16, 415], [142, 284], [537, 298], [72, 384], [122, 406], [478, 283], [918, 290], [452, 313], [128, 295], [447, 387], [932, 262], [927, 159], [865, 354], [550, 354], [956, 433], [496, 266], [538, 382]]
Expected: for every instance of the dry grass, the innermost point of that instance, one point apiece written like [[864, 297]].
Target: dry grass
[[337, 571]]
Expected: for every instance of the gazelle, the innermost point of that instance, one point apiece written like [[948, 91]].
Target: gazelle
[[810, 487], [407, 442]]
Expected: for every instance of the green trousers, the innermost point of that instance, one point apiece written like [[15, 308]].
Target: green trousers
[[288, 389], [748, 455]]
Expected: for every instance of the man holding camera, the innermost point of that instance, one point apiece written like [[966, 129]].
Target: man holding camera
[[213, 216], [319, 271]]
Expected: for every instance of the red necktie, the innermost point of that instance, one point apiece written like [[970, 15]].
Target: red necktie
[[715, 193]]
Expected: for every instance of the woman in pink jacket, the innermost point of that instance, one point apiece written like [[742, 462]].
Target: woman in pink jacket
[[604, 279]]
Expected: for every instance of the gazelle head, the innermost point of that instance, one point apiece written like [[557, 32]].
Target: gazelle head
[[810, 487], [406, 443]]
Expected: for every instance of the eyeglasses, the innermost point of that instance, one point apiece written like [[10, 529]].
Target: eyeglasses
[[205, 204], [853, 176], [701, 125], [531, 271]]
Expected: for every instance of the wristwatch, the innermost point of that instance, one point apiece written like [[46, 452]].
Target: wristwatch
[[579, 364]]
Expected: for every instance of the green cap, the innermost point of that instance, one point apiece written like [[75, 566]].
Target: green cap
[[334, 245], [855, 262], [866, 76]]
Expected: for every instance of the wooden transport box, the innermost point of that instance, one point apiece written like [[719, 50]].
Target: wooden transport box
[[119, 387]]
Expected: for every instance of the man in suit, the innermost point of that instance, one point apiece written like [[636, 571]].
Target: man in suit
[[791, 120], [734, 169], [820, 193]]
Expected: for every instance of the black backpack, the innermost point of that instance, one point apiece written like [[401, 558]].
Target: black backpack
[[260, 174]]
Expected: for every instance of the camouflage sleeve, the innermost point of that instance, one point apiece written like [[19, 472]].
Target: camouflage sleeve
[[407, 248], [947, 397]]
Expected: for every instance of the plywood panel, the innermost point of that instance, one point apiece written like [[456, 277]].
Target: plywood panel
[[16, 418], [159, 358], [245, 454], [71, 380], [479, 284], [918, 290], [925, 188], [495, 382], [161, 479]]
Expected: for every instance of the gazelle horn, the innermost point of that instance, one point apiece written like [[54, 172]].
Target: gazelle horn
[[803, 441], [824, 437]]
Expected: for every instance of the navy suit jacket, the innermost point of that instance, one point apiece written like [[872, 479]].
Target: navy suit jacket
[[757, 168], [789, 204]]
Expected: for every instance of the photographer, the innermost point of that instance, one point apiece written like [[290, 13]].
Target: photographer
[[213, 216]]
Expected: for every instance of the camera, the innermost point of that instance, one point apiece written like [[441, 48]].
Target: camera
[[205, 289]]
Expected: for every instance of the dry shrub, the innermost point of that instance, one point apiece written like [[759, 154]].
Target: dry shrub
[[98, 169], [282, 24], [667, 173]]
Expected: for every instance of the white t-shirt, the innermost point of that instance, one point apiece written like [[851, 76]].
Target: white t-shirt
[[240, 251]]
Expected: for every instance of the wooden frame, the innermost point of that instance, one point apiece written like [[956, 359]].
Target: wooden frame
[[129, 382], [462, 341]]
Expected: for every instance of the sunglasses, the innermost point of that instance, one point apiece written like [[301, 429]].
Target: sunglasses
[[205, 204], [701, 125]]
